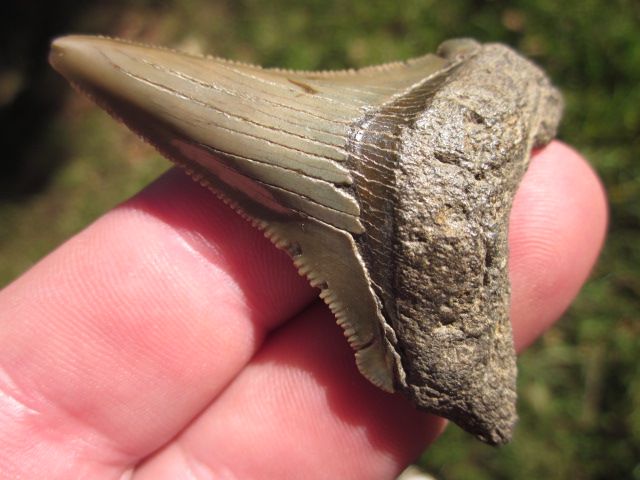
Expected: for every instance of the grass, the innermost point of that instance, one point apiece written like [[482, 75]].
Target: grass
[[580, 384]]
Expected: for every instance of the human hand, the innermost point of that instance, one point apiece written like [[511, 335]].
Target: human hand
[[170, 339]]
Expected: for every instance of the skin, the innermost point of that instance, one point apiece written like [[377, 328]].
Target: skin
[[170, 339]]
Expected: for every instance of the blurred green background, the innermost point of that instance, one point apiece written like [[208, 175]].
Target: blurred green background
[[65, 162]]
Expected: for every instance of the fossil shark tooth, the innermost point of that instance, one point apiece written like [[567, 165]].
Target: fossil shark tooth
[[390, 187]]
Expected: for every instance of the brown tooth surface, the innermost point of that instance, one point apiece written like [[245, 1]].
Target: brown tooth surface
[[390, 187]]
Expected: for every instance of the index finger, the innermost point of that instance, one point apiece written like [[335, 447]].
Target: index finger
[[149, 312]]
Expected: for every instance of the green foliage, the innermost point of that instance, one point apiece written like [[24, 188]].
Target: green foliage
[[580, 385]]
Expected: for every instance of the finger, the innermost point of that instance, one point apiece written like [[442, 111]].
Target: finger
[[556, 232], [301, 408], [145, 315]]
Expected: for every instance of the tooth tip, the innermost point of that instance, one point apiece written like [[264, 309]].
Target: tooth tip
[[67, 51], [59, 48], [68, 43]]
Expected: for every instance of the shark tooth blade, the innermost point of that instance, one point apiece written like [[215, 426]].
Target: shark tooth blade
[[198, 101], [202, 114]]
